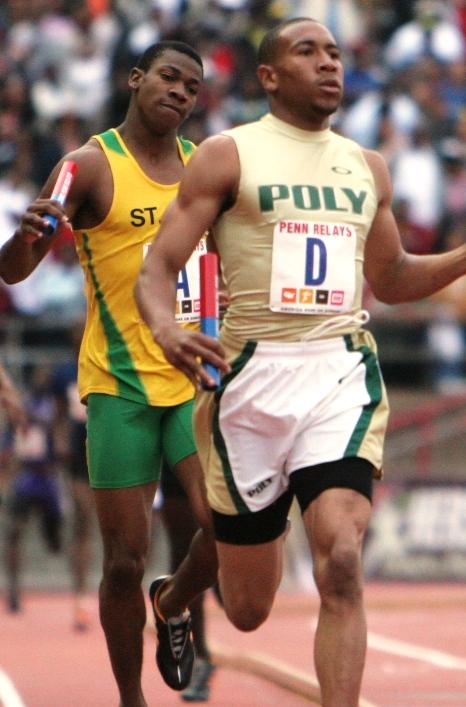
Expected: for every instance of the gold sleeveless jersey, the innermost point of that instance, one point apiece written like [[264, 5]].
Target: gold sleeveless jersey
[[118, 355], [292, 246]]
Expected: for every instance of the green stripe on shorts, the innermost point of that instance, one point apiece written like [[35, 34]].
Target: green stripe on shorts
[[374, 388], [236, 367]]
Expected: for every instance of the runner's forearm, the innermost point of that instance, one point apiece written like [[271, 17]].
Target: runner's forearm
[[18, 259]]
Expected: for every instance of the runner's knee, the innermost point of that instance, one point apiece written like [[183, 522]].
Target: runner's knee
[[338, 576], [246, 613], [124, 572]]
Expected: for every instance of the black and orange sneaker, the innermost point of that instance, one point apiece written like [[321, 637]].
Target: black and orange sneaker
[[175, 652]]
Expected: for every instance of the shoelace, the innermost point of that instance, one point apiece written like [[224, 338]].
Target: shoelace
[[359, 318], [178, 631]]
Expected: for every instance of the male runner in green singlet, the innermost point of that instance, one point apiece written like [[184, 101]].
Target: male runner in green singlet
[[139, 405], [299, 215]]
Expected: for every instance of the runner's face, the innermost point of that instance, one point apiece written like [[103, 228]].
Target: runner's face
[[307, 75], [167, 92]]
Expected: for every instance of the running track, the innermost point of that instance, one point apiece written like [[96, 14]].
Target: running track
[[416, 655]]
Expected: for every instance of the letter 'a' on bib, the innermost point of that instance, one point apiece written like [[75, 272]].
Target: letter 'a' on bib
[[188, 295]]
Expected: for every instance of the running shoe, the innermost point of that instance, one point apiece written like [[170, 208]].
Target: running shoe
[[175, 651], [198, 689]]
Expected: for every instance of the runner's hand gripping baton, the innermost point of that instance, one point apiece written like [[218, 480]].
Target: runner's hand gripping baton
[[208, 264], [60, 192]]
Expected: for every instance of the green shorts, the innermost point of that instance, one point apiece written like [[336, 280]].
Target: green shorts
[[126, 440]]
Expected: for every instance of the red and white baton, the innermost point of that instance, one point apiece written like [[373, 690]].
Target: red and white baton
[[60, 192], [208, 264]]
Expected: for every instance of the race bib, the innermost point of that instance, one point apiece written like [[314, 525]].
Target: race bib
[[188, 288], [313, 267]]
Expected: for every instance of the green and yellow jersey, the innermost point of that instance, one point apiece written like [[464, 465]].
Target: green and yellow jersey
[[118, 355]]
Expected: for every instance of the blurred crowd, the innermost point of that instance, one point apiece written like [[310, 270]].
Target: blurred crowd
[[63, 76]]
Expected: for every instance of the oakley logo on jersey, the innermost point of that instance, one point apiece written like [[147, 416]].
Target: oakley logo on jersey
[[308, 197]]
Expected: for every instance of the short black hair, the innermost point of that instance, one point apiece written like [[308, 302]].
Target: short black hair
[[152, 53], [267, 52]]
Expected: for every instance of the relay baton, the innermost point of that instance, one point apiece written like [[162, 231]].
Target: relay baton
[[60, 192], [208, 264]]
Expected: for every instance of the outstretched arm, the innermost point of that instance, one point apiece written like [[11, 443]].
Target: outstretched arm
[[209, 182], [393, 274]]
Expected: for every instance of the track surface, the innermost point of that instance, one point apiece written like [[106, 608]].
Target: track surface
[[416, 655]]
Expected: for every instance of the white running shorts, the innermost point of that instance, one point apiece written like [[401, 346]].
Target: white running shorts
[[287, 406]]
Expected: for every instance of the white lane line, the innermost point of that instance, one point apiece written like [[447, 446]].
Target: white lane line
[[9, 696], [410, 650]]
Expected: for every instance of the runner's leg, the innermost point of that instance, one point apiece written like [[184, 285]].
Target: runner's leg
[[335, 523], [124, 517], [198, 570]]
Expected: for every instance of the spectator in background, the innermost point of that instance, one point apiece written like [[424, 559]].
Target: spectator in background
[[460, 127], [86, 78], [62, 283], [417, 180], [459, 13], [364, 120], [26, 298], [424, 81], [13, 417], [453, 88], [453, 155], [52, 140], [344, 18], [146, 32], [35, 487], [46, 33], [50, 95], [245, 103], [364, 72], [11, 401], [15, 194], [56, 288], [432, 33], [446, 329]]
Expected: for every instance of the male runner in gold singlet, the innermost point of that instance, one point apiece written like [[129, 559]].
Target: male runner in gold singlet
[[299, 215], [139, 405]]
